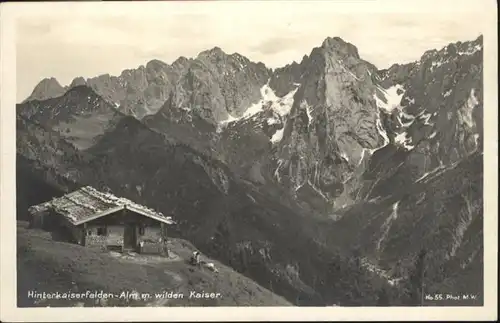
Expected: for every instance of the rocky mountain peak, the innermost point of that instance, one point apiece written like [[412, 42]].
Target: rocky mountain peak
[[334, 118], [77, 81], [457, 50], [81, 91], [80, 115], [340, 47], [213, 52], [181, 61], [156, 65], [47, 88], [217, 86]]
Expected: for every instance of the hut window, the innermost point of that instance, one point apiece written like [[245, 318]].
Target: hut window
[[141, 230], [102, 231]]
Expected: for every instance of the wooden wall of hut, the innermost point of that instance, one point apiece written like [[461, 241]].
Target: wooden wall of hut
[[149, 236]]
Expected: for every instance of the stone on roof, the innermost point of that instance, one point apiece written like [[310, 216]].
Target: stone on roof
[[87, 203]]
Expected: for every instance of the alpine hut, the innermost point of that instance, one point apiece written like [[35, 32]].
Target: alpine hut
[[97, 219]]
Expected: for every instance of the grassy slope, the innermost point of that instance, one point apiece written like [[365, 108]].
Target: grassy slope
[[50, 266]]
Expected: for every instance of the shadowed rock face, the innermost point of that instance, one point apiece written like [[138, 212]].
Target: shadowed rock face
[[364, 154], [80, 115], [216, 86], [140, 91], [439, 119], [442, 101], [332, 119]]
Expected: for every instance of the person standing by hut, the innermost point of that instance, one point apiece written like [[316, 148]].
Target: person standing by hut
[[195, 258]]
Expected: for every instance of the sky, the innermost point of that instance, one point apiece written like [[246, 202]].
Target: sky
[[88, 39]]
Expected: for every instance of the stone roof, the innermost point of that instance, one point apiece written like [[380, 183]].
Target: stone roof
[[87, 204]]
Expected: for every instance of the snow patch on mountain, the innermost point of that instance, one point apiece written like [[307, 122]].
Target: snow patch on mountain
[[465, 112], [382, 132], [225, 122], [476, 138], [436, 64], [392, 95], [426, 117], [317, 190], [271, 121], [386, 226], [435, 172], [471, 50], [280, 105], [283, 105], [404, 140], [306, 106], [364, 152], [408, 123], [276, 172], [278, 135], [408, 116]]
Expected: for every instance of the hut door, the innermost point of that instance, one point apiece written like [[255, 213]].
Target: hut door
[[129, 237]]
